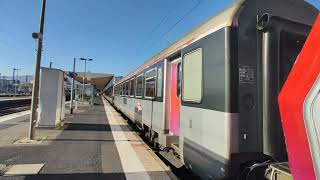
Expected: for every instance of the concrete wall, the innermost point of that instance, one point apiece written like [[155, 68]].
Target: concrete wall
[[52, 98]]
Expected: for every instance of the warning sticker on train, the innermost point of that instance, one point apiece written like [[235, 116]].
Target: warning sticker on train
[[246, 74]]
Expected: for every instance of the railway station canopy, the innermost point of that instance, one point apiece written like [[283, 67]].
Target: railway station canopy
[[99, 80]]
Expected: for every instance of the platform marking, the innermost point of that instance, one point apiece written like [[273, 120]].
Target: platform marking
[[132, 166], [24, 169], [13, 116], [12, 99]]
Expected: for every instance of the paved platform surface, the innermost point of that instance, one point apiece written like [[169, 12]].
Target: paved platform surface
[[97, 143]]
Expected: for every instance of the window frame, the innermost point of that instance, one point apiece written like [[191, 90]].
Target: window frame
[[155, 83], [179, 81], [136, 86], [132, 79], [127, 88], [122, 92], [124, 88], [183, 71], [160, 69]]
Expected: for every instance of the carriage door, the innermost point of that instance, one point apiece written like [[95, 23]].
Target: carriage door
[[175, 93], [282, 41]]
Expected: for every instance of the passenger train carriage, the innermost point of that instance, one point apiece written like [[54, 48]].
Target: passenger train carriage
[[212, 95]]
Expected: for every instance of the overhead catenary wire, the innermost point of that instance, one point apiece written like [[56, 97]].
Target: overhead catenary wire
[[163, 20], [179, 21]]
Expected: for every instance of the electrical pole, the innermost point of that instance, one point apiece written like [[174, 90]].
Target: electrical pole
[[85, 71], [17, 82], [35, 89], [72, 86], [13, 80], [1, 84], [14, 69], [50, 64]]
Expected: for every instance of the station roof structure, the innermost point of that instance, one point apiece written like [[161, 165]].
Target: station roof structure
[[99, 80]]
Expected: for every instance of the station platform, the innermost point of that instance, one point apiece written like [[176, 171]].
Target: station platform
[[14, 98], [94, 143]]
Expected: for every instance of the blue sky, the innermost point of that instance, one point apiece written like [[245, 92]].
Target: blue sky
[[118, 34]]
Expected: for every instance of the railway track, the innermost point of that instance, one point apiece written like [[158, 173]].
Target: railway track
[[11, 106]]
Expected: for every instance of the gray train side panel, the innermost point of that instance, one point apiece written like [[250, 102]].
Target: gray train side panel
[[216, 68], [209, 130], [250, 100], [158, 123], [151, 115]]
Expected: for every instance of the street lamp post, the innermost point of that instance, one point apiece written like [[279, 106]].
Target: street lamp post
[[17, 82], [72, 86], [13, 80], [85, 70]]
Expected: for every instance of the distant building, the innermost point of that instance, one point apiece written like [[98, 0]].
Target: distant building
[[21, 84], [7, 86], [25, 88]]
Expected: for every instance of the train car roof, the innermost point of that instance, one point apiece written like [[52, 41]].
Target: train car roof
[[212, 24]]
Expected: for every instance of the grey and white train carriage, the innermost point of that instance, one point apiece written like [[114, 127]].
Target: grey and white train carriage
[[212, 95]]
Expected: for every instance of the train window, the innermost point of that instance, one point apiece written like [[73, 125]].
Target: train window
[[179, 69], [123, 89], [150, 81], [139, 85], [132, 87], [159, 82], [192, 76], [127, 88]]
